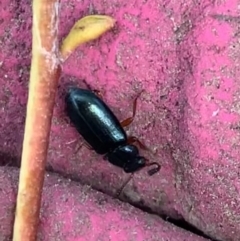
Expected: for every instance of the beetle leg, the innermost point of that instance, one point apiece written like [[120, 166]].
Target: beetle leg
[[87, 145], [98, 93], [80, 145], [129, 120], [119, 192], [133, 139], [65, 119], [62, 116]]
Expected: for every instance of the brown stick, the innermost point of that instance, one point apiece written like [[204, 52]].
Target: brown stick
[[44, 76], [45, 71]]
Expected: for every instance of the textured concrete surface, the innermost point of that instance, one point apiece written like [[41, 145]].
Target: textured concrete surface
[[77, 213], [185, 55]]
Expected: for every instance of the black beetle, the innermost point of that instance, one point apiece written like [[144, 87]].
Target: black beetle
[[103, 132]]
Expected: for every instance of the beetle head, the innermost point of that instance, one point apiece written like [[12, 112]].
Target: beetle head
[[127, 157], [134, 164]]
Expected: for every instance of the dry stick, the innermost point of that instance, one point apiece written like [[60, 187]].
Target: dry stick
[[45, 71]]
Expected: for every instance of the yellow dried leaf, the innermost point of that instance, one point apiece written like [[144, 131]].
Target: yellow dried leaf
[[84, 30]]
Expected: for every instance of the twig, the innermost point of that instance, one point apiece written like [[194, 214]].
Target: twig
[[45, 71], [44, 76]]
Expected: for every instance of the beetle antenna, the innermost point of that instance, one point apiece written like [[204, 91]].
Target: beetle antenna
[[87, 84], [150, 173], [155, 169], [119, 192]]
